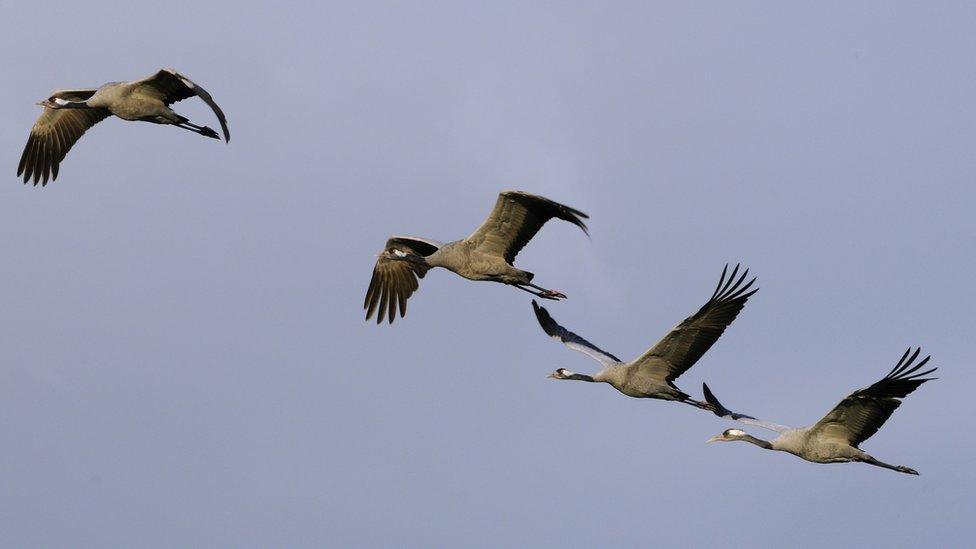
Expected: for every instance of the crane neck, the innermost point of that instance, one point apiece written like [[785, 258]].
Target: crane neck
[[757, 441], [449, 256], [581, 377]]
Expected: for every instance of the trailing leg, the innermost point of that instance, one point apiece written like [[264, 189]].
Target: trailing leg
[[540, 295], [202, 130], [900, 468], [548, 294], [698, 404]]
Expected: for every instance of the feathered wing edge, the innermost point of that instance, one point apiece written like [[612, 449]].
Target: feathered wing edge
[[207, 98], [50, 139], [570, 339], [395, 280], [690, 339], [724, 413], [516, 218], [860, 414]]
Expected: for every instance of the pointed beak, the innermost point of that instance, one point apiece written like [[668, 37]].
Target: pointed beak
[[716, 438], [552, 376]]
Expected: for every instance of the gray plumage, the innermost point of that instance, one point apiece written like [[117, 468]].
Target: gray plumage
[[836, 437], [652, 374], [487, 254], [69, 113]]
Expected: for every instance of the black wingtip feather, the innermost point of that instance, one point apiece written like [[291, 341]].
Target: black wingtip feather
[[710, 398], [730, 279], [544, 318], [730, 289], [717, 407], [903, 379], [574, 216], [720, 281]]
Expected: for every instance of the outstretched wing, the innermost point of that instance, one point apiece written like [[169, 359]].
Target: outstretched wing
[[171, 86], [570, 339], [723, 412], [515, 220], [689, 340], [395, 280], [53, 135], [864, 411]]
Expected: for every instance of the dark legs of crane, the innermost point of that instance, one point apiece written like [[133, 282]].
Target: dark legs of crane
[[899, 468], [698, 404], [537, 294], [202, 130], [543, 293], [551, 294]]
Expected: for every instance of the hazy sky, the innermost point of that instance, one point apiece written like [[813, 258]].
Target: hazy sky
[[183, 357]]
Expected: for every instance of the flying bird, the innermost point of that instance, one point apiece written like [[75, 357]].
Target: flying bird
[[836, 437], [652, 374], [487, 254], [69, 113]]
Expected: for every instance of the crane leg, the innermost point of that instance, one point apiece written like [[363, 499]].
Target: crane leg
[[899, 468], [202, 130], [698, 404], [546, 293], [542, 295]]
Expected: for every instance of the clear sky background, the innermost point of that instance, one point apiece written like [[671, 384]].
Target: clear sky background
[[183, 357]]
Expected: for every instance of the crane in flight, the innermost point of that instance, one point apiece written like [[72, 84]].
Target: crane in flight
[[836, 437], [487, 254], [69, 113], [652, 374]]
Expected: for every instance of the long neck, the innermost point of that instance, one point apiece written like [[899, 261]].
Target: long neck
[[442, 257], [757, 441], [581, 377]]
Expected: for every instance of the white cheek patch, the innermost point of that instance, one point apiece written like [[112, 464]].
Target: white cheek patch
[[737, 432], [60, 101], [398, 253]]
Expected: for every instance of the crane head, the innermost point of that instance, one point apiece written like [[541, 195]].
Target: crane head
[[562, 373], [729, 435], [54, 102]]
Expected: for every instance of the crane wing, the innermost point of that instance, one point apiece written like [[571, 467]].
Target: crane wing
[[395, 280], [170, 86], [689, 340], [864, 411], [53, 135], [516, 218], [570, 339], [723, 412]]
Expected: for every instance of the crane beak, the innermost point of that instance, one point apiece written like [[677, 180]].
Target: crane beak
[[716, 438], [551, 376]]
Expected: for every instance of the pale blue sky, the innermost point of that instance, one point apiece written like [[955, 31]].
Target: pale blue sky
[[183, 358]]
